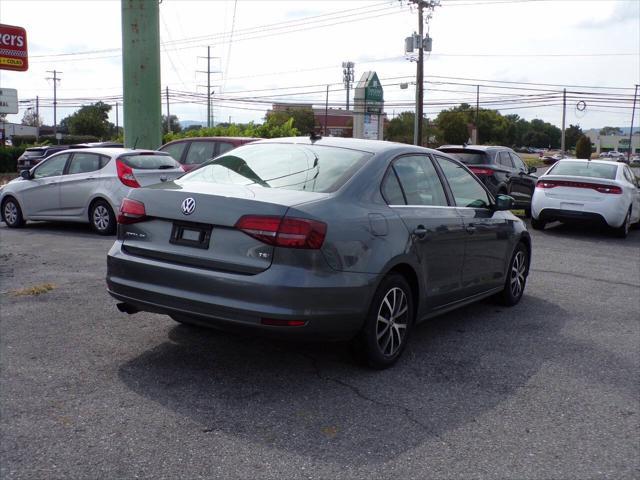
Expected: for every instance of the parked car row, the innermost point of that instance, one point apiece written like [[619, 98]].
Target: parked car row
[[34, 155], [315, 237]]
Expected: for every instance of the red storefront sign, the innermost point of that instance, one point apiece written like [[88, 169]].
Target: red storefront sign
[[13, 48]]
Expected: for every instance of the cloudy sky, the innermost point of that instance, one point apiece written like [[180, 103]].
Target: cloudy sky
[[521, 53]]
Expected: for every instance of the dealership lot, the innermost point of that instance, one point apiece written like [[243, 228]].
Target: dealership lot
[[549, 388]]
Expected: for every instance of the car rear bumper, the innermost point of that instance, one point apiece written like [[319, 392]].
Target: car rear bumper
[[608, 212], [333, 304]]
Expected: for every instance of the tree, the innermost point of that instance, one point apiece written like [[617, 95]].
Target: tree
[[572, 135], [303, 118], [31, 118], [90, 120], [452, 125], [610, 131], [174, 123], [583, 147], [400, 128]]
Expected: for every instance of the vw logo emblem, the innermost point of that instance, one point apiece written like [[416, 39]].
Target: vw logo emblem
[[188, 206]]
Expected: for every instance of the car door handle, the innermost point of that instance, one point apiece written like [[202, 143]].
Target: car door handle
[[420, 231], [470, 229]]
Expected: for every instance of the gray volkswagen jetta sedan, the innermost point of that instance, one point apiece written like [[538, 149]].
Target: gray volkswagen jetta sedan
[[328, 238]]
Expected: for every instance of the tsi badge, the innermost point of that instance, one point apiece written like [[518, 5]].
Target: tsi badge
[[188, 206]]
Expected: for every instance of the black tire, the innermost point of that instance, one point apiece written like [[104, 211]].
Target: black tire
[[527, 212], [623, 230], [537, 224], [102, 218], [12, 213], [381, 342], [516, 277]]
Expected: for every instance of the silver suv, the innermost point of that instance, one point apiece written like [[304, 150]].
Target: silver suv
[[85, 185]]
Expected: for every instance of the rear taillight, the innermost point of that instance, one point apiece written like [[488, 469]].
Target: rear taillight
[[125, 174], [131, 211], [481, 171], [184, 168], [612, 189], [284, 232]]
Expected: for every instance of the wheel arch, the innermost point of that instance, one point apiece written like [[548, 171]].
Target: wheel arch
[[408, 271], [15, 197], [92, 201]]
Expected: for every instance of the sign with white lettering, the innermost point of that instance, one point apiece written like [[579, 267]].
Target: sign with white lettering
[[8, 100], [13, 48]]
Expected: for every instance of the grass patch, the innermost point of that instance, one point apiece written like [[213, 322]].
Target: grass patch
[[35, 290]]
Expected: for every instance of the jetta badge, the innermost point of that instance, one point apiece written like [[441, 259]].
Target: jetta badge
[[188, 206]]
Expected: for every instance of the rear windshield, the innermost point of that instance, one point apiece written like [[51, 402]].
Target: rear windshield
[[149, 162], [469, 158], [311, 168], [34, 152], [585, 169]]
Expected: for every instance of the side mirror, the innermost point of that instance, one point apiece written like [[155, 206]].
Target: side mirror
[[504, 202], [25, 174], [532, 170]]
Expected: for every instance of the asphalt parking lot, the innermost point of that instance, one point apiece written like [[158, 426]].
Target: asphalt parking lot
[[547, 389]]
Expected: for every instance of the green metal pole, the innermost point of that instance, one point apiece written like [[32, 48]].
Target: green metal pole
[[141, 73]]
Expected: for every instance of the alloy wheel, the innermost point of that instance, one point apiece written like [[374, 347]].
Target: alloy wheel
[[393, 318], [518, 270], [101, 217], [10, 212]]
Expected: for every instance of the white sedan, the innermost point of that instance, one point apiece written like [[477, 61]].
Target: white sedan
[[598, 191]]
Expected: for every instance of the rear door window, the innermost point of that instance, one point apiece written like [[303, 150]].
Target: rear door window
[[504, 159], [467, 191], [149, 161], [200, 152], [84, 163], [175, 149], [517, 161], [391, 190], [224, 147], [419, 181]]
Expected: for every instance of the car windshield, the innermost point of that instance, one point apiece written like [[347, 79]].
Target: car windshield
[[311, 168], [469, 158], [585, 169], [146, 161]]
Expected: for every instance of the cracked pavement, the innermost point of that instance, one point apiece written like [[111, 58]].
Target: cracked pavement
[[547, 389]]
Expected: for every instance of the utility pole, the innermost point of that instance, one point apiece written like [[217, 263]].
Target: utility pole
[[208, 86], [422, 45], [168, 114], [326, 112], [633, 112], [347, 77], [564, 114], [55, 99], [117, 121], [141, 73], [38, 117], [475, 140]]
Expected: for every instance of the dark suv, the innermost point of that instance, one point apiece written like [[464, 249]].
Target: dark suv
[[500, 169], [34, 155], [191, 152]]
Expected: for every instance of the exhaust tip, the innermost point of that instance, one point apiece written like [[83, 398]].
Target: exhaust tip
[[126, 308]]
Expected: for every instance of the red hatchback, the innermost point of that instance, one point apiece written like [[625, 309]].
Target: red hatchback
[[191, 152]]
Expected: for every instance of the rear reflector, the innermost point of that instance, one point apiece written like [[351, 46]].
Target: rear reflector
[[481, 171], [125, 174], [274, 322], [131, 211], [613, 189], [284, 232]]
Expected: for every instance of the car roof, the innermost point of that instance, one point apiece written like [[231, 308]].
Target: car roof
[[113, 152], [204, 139], [371, 146], [606, 162], [481, 148]]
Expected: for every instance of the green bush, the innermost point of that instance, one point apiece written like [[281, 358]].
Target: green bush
[[269, 129], [583, 147], [9, 159]]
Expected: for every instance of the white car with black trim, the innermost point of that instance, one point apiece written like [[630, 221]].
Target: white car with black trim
[[84, 185], [597, 191]]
